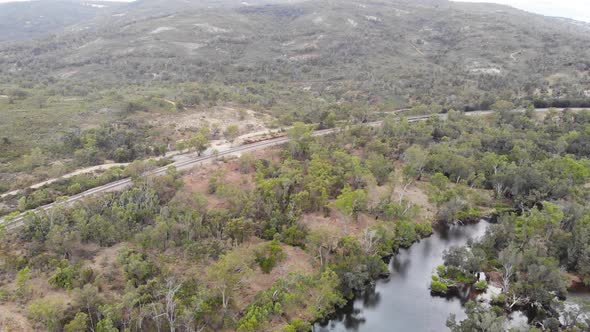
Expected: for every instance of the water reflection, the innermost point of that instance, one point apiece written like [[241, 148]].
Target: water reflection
[[402, 302]]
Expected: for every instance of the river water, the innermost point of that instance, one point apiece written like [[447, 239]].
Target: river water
[[403, 301]]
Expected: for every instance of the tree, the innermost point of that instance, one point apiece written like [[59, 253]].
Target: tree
[[22, 282], [78, 324], [380, 166], [88, 299], [502, 106], [228, 274], [510, 260], [268, 255], [415, 158], [351, 203], [321, 242], [300, 139], [467, 260], [239, 229], [231, 133], [538, 222], [47, 312], [106, 325], [169, 291], [199, 143], [478, 319], [136, 266], [65, 276]]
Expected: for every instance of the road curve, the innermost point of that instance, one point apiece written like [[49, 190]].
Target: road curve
[[18, 220]]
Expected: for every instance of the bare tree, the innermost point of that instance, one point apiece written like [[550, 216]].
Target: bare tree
[[509, 258], [170, 303], [369, 240]]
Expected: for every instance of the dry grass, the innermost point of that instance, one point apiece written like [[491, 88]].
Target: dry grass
[[183, 124], [13, 319], [296, 260]]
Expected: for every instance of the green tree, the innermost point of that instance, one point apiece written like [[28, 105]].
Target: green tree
[[78, 324], [46, 312], [478, 319], [380, 167], [352, 203], [502, 106], [106, 325], [22, 282], [231, 133], [199, 143], [65, 276], [415, 158], [228, 274], [300, 136], [239, 229], [269, 255]]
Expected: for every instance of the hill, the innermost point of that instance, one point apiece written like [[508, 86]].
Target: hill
[[456, 54], [33, 19], [144, 73]]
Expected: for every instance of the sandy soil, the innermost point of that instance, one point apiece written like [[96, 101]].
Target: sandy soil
[[13, 319], [197, 180], [183, 124]]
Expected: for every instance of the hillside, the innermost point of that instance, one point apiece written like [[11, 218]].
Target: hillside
[[142, 73], [35, 19], [230, 165], [456, 54]]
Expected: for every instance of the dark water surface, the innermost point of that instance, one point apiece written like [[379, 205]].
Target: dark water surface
[[403, 301]]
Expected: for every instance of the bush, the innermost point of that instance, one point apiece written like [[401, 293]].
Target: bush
[[481, 285], [269, 255], [423, 229], [499, 299], [47, 313], [298, 325], [439, 287], [405, 233], [78, 324], [64, 277], [294, 236]]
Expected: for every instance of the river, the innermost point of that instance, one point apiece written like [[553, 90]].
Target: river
[[403, 302]]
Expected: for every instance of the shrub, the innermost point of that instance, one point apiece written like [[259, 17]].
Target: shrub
[[213, 185], [269, 255], [423, 229], [64, 277], [481, 285], [294, 236], [441, 270], [438, 287], [78, 324], [47, 313], [499, 299], [298, 325], [405, 233]]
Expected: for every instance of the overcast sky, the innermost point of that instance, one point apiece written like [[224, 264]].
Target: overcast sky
[[2, 1], [576, 9]]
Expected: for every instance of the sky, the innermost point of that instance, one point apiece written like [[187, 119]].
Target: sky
[[4, 1], [576, 9]]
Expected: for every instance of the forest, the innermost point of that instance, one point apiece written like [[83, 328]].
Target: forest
[[278, 240]]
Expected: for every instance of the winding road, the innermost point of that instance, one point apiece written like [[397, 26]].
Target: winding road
[[183, 165]]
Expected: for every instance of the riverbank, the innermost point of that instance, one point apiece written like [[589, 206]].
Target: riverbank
[[401, 301]]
